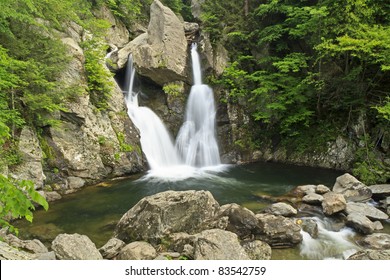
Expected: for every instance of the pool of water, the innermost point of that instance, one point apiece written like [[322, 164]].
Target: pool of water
[[95, 210]]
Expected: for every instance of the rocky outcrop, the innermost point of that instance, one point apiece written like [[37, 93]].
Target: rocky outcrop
[[161, 53], [75, 247], [156, 216], [31, 153]]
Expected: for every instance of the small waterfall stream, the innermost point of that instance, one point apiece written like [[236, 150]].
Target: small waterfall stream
[[196, 145]]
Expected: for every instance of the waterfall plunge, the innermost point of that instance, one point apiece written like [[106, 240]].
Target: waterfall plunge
[[196, 145]]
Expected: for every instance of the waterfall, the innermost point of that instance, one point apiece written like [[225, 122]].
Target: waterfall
[[196, 145], [196, 141]]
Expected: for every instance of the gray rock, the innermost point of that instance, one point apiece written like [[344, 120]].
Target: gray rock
[[352, 189], [377, 241], [382, 190], [278, 231], [217, 244], [313, 198], [138, 250], [310, 226], [32, 157], [361, 223], [112, 248], [49, 256], [8, 252], [304, 190], [34, 246], [366, 210], [241, 221], [257, 250], [322, 189], [333, 203], [75, 182], [282, 209], [371, 255], [159, 215], [378, 225], [52, 196], [75, 247]]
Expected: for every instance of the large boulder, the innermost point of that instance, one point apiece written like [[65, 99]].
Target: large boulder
[[352, 188], [159, 215], [75, 247], [161, 53], [278, 231]]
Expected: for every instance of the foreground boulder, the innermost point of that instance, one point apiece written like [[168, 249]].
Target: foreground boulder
[[75, 247], [333, 203], [376, 241], [159, 215]]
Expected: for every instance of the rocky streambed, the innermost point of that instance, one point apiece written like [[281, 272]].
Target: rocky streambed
[[193, 225]]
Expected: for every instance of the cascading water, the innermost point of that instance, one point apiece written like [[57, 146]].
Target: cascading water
[[196, 141], [196, 145], [156, 142]]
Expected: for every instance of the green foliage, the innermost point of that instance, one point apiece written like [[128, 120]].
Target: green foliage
[[98, 77], [16, 201], [122, 143], [173, 89]]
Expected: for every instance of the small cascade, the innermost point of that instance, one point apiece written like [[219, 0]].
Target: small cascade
[[196, 145], [329, 244]]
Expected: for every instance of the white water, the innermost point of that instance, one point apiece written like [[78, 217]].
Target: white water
[[196, 148], [329, 244]]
